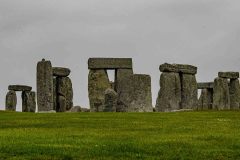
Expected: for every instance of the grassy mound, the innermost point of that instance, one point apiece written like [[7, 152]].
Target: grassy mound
[[186, 135]]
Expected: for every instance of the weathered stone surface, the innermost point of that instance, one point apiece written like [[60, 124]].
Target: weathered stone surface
[[64, 89], [234, 91], [136, 94], [169, 96], [11, 101], [178, 68], [110, 63], [75, 109], [55, 93], [85, 110], [221, 96], [61, 72], [121, 77], [44, 86], [98, 82], [28, 101], [205, 85], [189, 93], [110, 104], [206, 99], [231, 75], [19, 88], [62, 104]]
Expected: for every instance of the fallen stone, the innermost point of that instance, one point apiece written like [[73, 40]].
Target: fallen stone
[[178, 68], [44, 86], [110, 104], [136, 94], [11, 101], [98, 82], [205, 85], [234, 91], [189, 93], [221, 95], [85, 110], [19, 88], [169, 96], [230, 75], [183, 110], [206, 99], [75, 109], [61, 72], [110, 63], [51, 111], [64, 88]]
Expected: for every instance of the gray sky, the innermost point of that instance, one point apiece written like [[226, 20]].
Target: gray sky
[[205, 33]]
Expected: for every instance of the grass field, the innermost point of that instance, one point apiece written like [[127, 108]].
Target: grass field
[[185, 135]]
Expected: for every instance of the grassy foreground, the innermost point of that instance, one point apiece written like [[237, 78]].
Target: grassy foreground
[[189, 135]]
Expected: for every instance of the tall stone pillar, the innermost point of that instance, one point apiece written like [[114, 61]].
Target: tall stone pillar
[[189, 91], [44, 86], [11, 101], [28, 101], [65, 91], [98, 83], [169, 96], [221, 96], [234, 91]]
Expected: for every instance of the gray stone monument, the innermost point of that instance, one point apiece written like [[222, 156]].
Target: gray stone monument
[[205, 101], [45, 86], [178, 89], [11, 101]]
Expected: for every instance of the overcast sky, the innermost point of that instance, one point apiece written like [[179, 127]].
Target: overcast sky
[[205, 33]]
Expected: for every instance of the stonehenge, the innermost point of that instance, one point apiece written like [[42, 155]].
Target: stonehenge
[[44, 86], [226, 91], [54, 87], [178, 88], [28, 98], [128, 93], [205, 101]]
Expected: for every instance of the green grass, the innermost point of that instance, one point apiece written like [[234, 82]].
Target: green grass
[[186, 135]]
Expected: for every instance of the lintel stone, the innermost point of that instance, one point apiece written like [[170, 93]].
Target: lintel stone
[[178, 68], [206, 85], [61, 72], [19, 88], [230, 75], [110, 63]]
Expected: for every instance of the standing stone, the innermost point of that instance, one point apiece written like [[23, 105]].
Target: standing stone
[[28, 101], [135, 95], [234, 91], [189, 91], [110, 101], [11, 101], [55, 93], [98, 82], [44, 86], [206, 99], [121, 77], [64, 89], [62, 104], [169, 96], [221, 96]]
